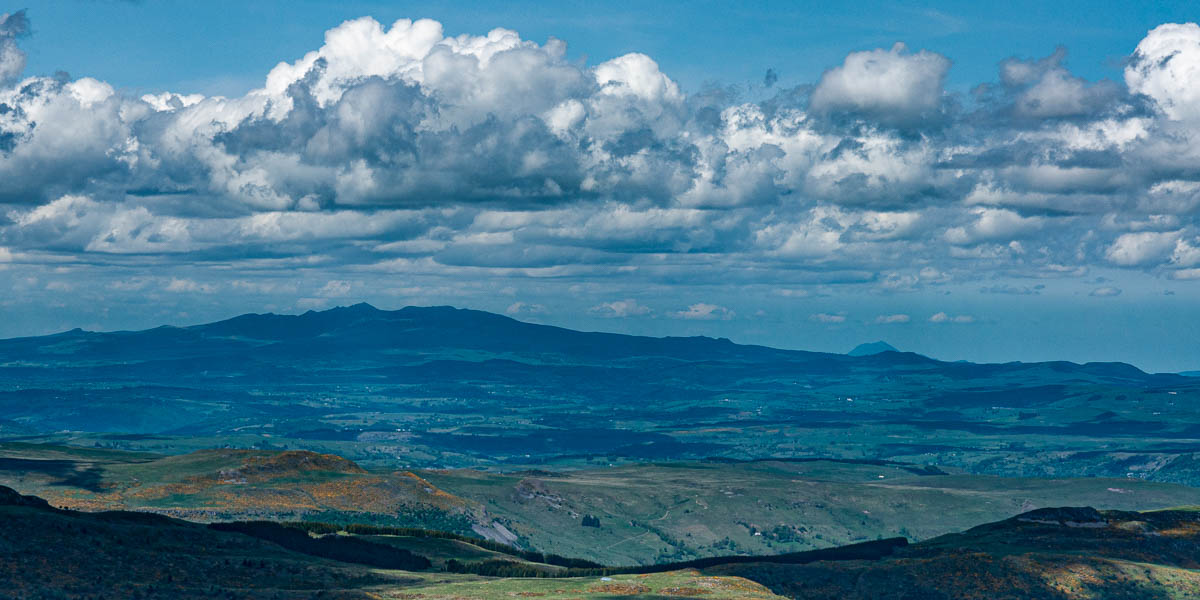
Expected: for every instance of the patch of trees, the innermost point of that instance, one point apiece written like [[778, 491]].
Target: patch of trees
[[529, 555], [344, 549], [410, 516], [500, 567], [591, 521], [872, 550]]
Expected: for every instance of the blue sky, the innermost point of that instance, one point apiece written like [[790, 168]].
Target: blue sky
[[227, 47], [988, 181]]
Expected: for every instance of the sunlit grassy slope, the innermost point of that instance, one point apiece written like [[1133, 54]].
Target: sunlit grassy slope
[[644, 513], [1048, 554], [665, 512], [224, 484], [1053, 554]]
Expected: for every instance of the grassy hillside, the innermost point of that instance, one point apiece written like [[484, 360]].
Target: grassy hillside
[[1050, 554], [61, 554], [224, 484], [669, 512], [638, 514], [658, 513], [1047, 554]]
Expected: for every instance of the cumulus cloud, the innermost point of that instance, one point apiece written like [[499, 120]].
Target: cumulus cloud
[[335, 289], [620, 309], [1163, 68], [12, 58], [1107, 291], [890, 319], [400, 150], [189, 286], [1022, 290], [705, 312], [992, 224], [1146, 247], [518, 309], [827, 318], [1044, 88], [890, 84], [942, 317]]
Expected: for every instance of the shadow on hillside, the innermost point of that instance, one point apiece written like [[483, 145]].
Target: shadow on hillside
[[68, 473]]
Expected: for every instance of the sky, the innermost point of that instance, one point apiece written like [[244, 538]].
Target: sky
[[980, 181]]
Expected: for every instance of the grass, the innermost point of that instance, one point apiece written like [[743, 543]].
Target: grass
[[648, 513], [677, 584], [662, 513]]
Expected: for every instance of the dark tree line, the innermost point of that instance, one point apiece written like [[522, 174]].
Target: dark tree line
[[345, 549]]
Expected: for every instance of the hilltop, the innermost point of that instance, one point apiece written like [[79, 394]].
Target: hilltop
[[229, 484], [871, 348]]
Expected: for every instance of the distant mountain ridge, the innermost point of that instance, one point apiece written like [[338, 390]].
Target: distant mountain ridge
[[363, 328], [870, 348], [465, 385]]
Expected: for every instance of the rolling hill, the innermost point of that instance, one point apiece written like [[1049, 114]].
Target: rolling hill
[[637, 514], [1046, 554], [47, 552]]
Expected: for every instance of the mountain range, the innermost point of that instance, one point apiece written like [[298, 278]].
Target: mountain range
[[440, 386]]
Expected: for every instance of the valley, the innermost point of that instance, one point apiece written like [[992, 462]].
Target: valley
[[528, 448]]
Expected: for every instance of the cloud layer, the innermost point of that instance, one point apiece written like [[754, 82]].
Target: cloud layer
[[398, 151]]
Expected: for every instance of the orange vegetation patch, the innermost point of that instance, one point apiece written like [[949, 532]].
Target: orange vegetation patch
[[1182, 530], [428, 487], [258, 468], [620, 589], [687, 592]]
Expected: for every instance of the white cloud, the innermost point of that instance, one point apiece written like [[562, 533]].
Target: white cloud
[[992, 224], [1164, 67], [889, 319], [1133, 249], [335, 288], [189, 286], [524, 309], [942, 317], [489, 158], [827, 318], [886, 83], [620, 308], [792, 293], [1045, 88], [12, 59], [705, 312], [1107, 291]]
